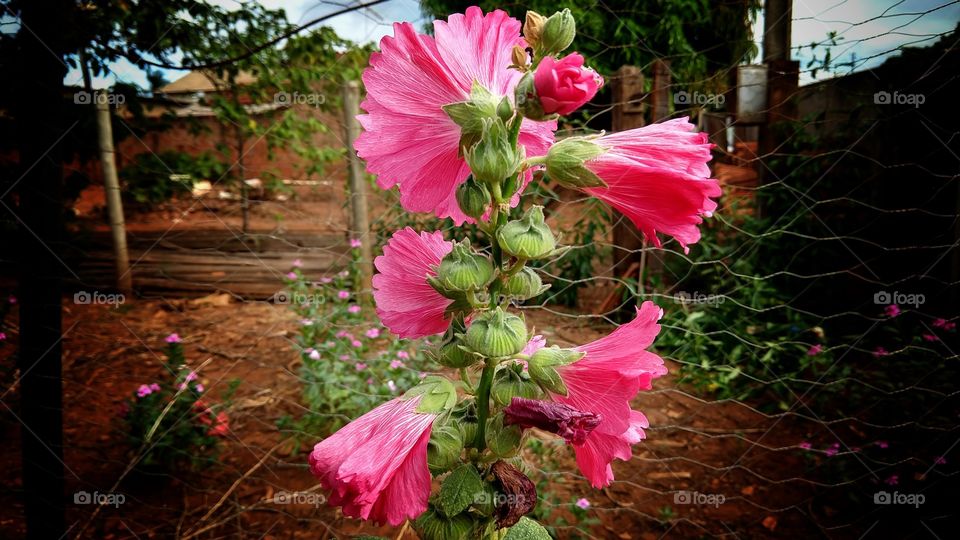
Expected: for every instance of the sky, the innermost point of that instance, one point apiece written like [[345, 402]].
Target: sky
[[868, 31]]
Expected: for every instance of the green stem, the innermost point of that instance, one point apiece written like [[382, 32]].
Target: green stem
[[515, 129], [465, 378], [533, 162], [517, 266], [483, 403]]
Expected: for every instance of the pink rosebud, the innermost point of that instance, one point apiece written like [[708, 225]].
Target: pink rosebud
[[354, 243], [583, 503], [297, 263], [892, 310], [144, 391], [343, 295], [371, 460], [353, 308], [564, 85], [373, 333], [572, 424], [173, 338]]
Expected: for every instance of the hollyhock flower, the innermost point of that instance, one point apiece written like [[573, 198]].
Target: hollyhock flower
[[583, 503], [564, 85], [354, 243], [571, 424], [535, 344], [406, 304], [658, 177], [892, 310], [373, 333], [376, 466], [353, 309], [173, 338], [603, 382], [407, 85]]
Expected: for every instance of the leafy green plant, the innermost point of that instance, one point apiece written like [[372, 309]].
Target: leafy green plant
[[155, 178]]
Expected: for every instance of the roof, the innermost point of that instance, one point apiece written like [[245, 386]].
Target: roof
[[199, 81]]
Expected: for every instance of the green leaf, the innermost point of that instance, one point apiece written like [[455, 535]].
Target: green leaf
[[527, 529], [459, 490]]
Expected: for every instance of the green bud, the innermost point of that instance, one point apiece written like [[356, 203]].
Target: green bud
[[470, 114], [473, 198], [528, 237], [452, 355], [511, 382], [565, 163], [496, 334], [444, 448], [505, 110], [463, 269], [494, 157], [503, 441], [438, 395], [558, 33], [524, 284], [525, 96], [542, 367], [433, 525], [464, 416]]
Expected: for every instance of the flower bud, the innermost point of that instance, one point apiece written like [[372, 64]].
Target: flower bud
[[494, 157], [528, 237], [533, 27], [503, 441], [525, 96], [543, 365], [505, 110], [511, 382], [566, 159], [438, 395], [524, 284], [433, 525], [572, 424], [496, 334], [463, 270], [558, 33], [464, 416], [470, 114], [473, 198], [519, 57], [452, 355], [444, 448]]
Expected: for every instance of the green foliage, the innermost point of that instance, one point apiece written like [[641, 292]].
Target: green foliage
[[155, 178], [556, 509], [173, 423]]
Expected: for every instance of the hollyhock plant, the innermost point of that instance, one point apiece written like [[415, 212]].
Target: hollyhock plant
[[409, 82], [376, 466], [406, 304]]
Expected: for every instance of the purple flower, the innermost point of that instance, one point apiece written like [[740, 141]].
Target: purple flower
[[343, 295], [373, 333], [354, 243], [583, 503], [173, 338], [144, 391], [353, 308], [572, 424]]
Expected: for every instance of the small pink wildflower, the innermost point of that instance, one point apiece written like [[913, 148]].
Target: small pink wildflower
[[325, 280], [192, 376], [155, 387], [805, 445], [815, 350], [373, 333], [396, 364], [930, 337], [3, 336], [345, 357], [940, 460], [353, 309], [291, 275], [883, 444], [355, 243], [343, 295], [173, 338], [297, 263], [880, 351], [199, 388], [144, 391], [357, 343], [583, 503], [360, 366], [892, 310], [892, 480], [392, 386], [403, 354]]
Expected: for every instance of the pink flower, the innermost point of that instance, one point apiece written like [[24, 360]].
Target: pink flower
[[892, 480], [173, 338], [325, 280], [658, 177], [583, 503], [815, 350], [356, 343], [879, 351], [3, 336], [403, 354], [930, 337], [564, 85], [883, 444], [571, 424], [360, 366], [297, 263], [805, 445], [409, 81], [343, 295], [833, 450], [345, 357], [892, 310], [396, 364], [354, 243], [312, 353], [535, 344], [199, 388], [939, 323], [373, 333], [12, 299], [353, 309], [155, 387], [144, 391], [406, 304], [392, 386], [376, 466], [603, 382], [940, 460], [344, 334]]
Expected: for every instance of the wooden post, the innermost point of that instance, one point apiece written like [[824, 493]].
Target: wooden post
[[628, 113], [660, 93], [111, 186], [359, 224]]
